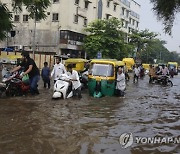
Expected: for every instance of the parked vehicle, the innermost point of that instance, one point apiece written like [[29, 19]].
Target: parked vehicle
[[129, 63], [78, 63], [102, 77], [13, 85], [146, 66], [81, 66]]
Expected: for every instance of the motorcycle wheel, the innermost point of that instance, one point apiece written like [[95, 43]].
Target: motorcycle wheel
[[2, 91], [9, 93], [169, 83]]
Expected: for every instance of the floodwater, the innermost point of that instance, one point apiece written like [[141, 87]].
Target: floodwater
[[40, 125]]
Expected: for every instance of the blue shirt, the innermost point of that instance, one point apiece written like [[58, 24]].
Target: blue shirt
[[45, 72]]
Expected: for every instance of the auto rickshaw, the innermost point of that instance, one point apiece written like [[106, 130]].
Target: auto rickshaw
[[173, 66], [129, 63], [146, 66], [81, 66], [78, 63], [14, 59], [102, 77]]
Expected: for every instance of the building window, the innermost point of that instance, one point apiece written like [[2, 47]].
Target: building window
[[122, 21], [133, 22], [77, 2], [108, 3], [76, 18], [129, 30], [115, 7], [63, 34], [126, 24], [108, 16], [127, 13], [25, 18], [86, 4], [16, 18], [55, 17], [85, 22], [137, 24], [55, 1], [123, 10]]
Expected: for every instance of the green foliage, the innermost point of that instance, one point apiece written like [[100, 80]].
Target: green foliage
[[106, 36], [5, 21], [36, 8], [157, 50], [150, 48], [166, 11], [141, 38]]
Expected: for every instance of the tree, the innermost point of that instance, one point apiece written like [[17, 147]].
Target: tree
[[105, 36], [166, 11], [141, 39], [154, 50], [157, 50], [5, 21], [36, 8]]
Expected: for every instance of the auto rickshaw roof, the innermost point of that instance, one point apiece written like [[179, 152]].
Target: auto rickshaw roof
[[129, 60], [174, 63], [145, 64], [120, 63], [103, 61], [75, 60]]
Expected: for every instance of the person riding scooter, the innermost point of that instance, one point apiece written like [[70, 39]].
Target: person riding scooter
[[74, 78]]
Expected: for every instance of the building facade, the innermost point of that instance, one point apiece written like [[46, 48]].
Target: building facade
[[63, 30]]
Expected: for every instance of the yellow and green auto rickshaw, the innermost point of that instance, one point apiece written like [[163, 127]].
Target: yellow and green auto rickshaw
[[102, 77], [78, 63]]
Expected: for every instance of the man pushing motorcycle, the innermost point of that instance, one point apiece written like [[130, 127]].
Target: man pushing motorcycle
[[31, 69]]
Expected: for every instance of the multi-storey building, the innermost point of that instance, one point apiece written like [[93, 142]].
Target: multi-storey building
[[63, 30]]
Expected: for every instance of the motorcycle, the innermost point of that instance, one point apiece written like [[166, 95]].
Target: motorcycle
[[164, 80], [62, 87], [12, 85]]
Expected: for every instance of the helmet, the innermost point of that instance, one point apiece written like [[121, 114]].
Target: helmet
[[25, 54]]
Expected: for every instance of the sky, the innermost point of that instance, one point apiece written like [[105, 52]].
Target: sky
[[148, 20]]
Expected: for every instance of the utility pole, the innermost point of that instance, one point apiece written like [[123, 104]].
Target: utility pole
[[34, 34], [7, 39], [160, 57]]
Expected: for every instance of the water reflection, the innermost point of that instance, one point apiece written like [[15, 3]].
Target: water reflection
[[41, 125]]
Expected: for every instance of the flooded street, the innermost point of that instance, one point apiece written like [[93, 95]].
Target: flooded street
[[40, 125]]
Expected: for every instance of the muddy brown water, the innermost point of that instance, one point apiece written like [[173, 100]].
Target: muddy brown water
[[40, 125]]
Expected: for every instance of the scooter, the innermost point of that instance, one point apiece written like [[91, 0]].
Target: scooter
[[62, 87]]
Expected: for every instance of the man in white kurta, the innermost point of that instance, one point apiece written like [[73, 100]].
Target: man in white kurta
[[58, 70], [74, 78], [121, 84]]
